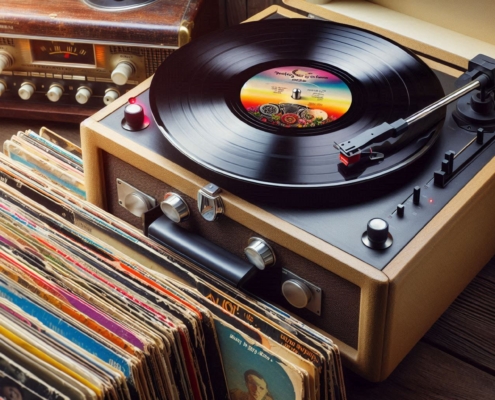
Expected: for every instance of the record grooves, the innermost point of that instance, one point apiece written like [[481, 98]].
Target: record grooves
[[198, 99]]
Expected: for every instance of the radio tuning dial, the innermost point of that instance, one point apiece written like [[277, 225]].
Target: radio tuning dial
[[3, 87], [26, 90], [83, 94], [122, 73], [6, 60], [55, 93], [110, 96]]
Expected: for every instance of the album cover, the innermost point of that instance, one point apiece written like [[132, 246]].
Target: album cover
[[71, 180], [271, 376], [30, 380], [63, 382], [11, 388]]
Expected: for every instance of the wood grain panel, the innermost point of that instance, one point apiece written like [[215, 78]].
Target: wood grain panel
[[157, 23]]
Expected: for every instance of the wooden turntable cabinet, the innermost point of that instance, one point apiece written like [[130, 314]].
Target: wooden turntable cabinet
[[375, 314]]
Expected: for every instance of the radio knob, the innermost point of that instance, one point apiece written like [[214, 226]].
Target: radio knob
[[26, 90], [55, 93], [297, 293], [6, 60], [110, 96], [83, 94], [122, 72], [174, 207], [3, 87], [259, 253]]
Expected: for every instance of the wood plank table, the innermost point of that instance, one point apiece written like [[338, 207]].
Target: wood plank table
[[454, 360]]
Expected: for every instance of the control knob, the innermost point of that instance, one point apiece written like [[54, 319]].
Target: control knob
[[174, 207], [137, 204], [377, 236], [55, 93], [83, 94], [6, 60], [134, 118], [259, 253], [110, 96], [3, 87], [122, 72], [297, 293], [26, 90]]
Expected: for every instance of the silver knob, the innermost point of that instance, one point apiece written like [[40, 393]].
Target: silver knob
[[174, 207], [259, 253], [26, 90], [210, 204], [122, 73], [137, 204], [55, 93], [83, 94], [296, 94], [110, 96], [3, 87], [297, 293], [6, 60]]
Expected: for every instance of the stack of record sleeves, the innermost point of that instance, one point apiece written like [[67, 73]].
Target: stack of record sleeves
[[93, 309]]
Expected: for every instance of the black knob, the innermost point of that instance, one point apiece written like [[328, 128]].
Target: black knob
[[400, 210], [134, 118], [416, 195], [377, 235]]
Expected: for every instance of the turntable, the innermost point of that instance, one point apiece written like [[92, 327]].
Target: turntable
[[318, 166]]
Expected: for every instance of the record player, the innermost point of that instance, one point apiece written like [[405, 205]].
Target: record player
[[367, 240]]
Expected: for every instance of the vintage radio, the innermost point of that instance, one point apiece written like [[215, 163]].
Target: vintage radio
[[66, 62], [361, 232]]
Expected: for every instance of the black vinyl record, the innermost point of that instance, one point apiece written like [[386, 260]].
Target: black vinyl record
[[264, 102]]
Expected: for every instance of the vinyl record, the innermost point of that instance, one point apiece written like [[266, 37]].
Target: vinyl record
[[264, 102]]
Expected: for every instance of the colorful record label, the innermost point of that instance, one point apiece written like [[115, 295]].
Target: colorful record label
[[296, 97]]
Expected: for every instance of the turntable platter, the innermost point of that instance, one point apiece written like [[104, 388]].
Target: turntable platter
[[264, 102]]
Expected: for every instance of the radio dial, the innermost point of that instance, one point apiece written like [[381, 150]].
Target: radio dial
[[26, 90], [6, 60], [3, 87], [110, 96], [83, 94], [122, 73], [55, 93]]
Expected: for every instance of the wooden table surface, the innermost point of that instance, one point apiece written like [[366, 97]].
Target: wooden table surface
[[454, 360]]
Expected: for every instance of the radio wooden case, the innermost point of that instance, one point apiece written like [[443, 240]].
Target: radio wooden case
[[42, 47]]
